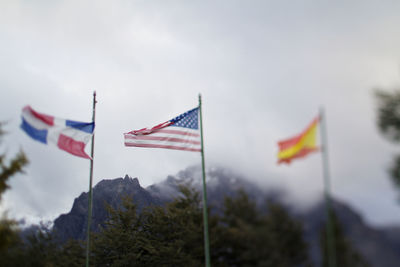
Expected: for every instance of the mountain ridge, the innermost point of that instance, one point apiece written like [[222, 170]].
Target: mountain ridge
[[381, 247]]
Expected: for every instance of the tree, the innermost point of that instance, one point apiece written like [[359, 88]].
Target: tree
[[11, 167], [240, 217], [176, 231], [255, 239], [284, 238], [71, 254], [158, 236], [39, 247], [346, 255], [117, 242], [388, 121], [8, 168], [172, 235]]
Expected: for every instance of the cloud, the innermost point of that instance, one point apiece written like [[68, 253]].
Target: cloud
[[263, 68]]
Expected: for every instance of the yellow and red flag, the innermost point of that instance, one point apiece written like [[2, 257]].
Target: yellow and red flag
[[299, 145]]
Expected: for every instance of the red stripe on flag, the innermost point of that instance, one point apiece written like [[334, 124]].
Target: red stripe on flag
[[177, 132], [71, 146], [164, 146], [49, 120], [159, 138], [289, 142], [152, 130]]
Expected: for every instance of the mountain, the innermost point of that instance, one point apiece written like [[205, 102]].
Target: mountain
[[375, 245], [74, 224], [380, 247]]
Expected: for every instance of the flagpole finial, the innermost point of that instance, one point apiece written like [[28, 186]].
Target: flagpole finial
[[321, 111]]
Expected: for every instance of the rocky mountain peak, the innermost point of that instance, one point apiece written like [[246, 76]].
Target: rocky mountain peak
[[119, 184], [107, 191]]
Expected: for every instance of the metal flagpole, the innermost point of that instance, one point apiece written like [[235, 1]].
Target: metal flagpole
[[205, 216], [330, 238], [90, 186]]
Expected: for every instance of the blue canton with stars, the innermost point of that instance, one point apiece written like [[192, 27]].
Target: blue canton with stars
[[189, 119]]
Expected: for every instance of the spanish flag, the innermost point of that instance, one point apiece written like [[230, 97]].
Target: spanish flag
[[299, 145]]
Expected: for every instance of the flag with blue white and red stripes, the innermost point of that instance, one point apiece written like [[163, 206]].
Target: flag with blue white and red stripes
[[70, 136], [180, 133]]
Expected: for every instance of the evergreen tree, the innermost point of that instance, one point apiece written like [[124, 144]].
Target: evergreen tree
[[71, 254], [239, 221], [255, 239], [176, 231], [119, 243], [159, 236], [173, 235], [284, 236], [40, 248], [346, 255]]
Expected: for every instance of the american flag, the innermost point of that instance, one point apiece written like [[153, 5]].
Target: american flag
[[181, 133]]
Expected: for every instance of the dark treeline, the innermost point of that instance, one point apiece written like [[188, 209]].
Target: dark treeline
[[242, 235]]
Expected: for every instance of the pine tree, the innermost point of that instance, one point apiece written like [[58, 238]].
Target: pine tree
[[255, 239], [284, 236], [118, 243], [158, 236], [172, 235], [239, 221], [176, 231]]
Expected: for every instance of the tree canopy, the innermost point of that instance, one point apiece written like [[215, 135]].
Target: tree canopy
[[173, 235]]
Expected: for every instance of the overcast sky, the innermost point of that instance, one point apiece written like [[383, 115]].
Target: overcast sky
[[263, 68]]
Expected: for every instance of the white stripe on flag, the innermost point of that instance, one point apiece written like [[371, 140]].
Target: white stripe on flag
[[33, 121], [169, 137], [79, 136]]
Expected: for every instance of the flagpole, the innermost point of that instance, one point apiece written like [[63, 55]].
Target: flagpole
[[205, 215], [330, 237], [90, 186]]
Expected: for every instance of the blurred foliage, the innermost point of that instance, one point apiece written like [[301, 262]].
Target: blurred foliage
[[252, 238], [9, 234], [8, 168], [116, 243], [388, 121], [389, 114], [159, 236], [41, 248], [346, 255], [173, 235]]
